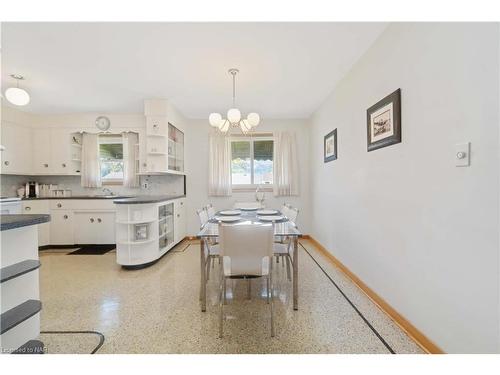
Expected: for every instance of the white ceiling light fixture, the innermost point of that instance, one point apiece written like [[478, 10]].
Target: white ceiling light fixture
[[16, 95], [233, 117]]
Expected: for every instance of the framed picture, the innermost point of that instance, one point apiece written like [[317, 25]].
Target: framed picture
[[330, 146], [383, 122]]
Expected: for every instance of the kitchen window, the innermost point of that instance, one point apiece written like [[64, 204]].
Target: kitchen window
[[251, 162], [111, 159]]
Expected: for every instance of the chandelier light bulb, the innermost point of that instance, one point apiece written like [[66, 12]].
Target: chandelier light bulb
[[253, 119], [245, 126], [215, 119], [234, 115]]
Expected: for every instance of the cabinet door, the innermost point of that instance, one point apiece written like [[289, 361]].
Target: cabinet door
[[179, 220], [16, 157], [60, 151], [87, 230], [41, 151], [61, 227], [39, 207], [106, 224]]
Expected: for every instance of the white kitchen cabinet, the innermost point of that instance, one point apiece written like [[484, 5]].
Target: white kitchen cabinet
[[42, 163], [94, 227], [54, 153], [179, 220], [16, 157], [62, 227], [39, 207]]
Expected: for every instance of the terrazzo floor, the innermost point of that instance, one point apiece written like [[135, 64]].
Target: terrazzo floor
[[156, 310]]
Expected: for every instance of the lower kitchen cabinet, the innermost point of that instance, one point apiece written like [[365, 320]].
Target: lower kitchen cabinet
[[39, 207], [61, 227], [94, 227]]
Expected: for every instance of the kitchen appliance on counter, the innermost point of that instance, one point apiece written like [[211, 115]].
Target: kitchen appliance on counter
[[10, 205], [32, 189]]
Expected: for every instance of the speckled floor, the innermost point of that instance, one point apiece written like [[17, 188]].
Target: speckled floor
[[156, 310]]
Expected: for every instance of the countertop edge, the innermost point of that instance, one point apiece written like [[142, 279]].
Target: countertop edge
[[146, 199], [8, 222]]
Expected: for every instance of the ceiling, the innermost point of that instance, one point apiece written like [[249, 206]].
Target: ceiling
[[286, 69]]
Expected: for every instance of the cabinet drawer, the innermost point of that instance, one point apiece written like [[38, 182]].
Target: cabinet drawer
[[61, 204]]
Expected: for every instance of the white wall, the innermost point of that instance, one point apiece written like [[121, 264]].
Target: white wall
[[197, 167], [419, 231]]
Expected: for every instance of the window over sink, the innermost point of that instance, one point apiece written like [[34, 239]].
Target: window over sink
[[111, 159]]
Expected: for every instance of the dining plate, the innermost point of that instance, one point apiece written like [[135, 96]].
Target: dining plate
[[267, 212], [227, 219], [271, 218], [230, 212], [248, 208]]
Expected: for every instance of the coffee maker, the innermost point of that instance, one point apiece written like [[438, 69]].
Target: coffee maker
[[32, 189]]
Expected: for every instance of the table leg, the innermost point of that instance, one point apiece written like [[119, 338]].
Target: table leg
[[295, 273], [203, 282]]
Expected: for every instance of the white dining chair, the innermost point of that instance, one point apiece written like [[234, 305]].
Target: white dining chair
[[282, 248], [210, 210], [212, 250], [246, 251]]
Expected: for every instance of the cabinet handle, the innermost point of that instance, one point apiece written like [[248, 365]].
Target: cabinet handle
[[27, 208], [182, 203], [65, 216], [144, 164], [92, 220], [178, 215], [63, 165], [6, 162], [59, 205], [99, 220]]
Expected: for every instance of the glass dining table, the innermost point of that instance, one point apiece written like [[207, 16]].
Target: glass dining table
[[282, 229]]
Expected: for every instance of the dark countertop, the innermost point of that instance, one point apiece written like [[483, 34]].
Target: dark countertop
[[147, 199], [83, 197], [17, 221]]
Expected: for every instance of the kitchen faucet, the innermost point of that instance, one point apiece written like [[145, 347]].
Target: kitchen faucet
[[107, 191]]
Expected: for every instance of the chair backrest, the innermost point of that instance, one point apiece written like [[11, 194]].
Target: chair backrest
[[284, 209], [292, 214], [210, 211], [202, 216], [247, 246], [248, 205]]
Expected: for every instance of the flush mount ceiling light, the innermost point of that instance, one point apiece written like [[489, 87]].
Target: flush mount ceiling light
[[233, 117], [15, 95]]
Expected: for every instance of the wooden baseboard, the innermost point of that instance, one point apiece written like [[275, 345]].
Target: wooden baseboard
[[423, 341]]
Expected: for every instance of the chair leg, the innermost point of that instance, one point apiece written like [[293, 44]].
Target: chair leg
[[268, 290], [220, 260], [221, 304], [249, 289], [272, 303], [209, 260], [224, 291], [288, 273]]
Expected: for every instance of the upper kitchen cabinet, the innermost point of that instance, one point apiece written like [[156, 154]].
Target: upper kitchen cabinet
[[164, 139], [16, 151], [56, 152]]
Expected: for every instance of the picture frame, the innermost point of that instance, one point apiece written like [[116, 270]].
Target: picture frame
[[383, 122], [330, 146]]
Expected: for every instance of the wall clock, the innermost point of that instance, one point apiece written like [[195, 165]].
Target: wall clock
[[102, 123]]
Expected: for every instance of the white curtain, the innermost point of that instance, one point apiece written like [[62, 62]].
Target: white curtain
[[219, 166], [286, 167], [130, 178], [91, 171]]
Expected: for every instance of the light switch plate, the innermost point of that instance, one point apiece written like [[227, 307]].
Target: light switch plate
[[462, 154]]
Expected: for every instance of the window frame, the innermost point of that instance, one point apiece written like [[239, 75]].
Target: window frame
[[114, 140], [251, 139]]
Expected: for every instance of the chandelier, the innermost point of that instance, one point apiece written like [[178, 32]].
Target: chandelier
[[234, 119]]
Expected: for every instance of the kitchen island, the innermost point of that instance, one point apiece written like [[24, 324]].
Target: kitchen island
[[147, 227], [20, 308]]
